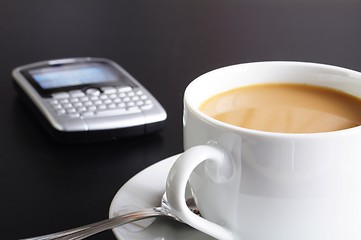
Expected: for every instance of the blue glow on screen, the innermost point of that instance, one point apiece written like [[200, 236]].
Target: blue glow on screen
[[49, 78]]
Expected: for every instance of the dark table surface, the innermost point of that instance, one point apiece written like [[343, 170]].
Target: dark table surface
[[46, 186]]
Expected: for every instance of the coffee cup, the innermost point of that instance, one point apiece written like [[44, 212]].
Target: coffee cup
[[252, 184]]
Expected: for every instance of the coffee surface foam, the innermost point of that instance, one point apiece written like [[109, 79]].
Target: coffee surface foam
[[285, 108]]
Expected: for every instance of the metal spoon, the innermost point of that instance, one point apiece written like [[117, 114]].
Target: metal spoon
[[88, 230]]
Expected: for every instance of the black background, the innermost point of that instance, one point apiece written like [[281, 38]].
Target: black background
[[46, 186]]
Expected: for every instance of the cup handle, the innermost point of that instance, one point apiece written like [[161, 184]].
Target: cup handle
[[177, 182]]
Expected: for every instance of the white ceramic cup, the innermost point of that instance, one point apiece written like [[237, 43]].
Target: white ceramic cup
[[255, 185]]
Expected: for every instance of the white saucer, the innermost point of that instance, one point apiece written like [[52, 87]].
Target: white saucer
[[145, 190]]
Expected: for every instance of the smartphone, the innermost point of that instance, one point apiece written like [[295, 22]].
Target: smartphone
[[88, 99]]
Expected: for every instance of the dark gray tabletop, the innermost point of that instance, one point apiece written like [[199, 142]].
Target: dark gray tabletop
[[46, 186]]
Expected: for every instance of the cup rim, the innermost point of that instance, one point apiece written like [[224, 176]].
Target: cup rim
[[212, 121]]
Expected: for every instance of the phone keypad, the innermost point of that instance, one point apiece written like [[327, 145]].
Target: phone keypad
[[106, 101]]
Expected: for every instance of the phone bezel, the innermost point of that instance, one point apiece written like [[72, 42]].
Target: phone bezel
[[122, 80]]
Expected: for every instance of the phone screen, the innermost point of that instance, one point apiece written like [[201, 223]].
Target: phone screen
[[73, 75]]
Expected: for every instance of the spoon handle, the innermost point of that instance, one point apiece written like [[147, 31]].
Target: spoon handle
[[94, 228]]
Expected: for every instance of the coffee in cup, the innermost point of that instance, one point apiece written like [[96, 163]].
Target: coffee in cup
[[285, 108], [274, 183]]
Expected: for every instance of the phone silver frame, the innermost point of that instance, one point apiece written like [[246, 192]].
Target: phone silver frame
[[151, 118]]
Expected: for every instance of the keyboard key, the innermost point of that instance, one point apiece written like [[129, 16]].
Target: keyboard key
[[108, 90], [146, 107], [87, 114], [74, 115], [76, 93], [60, 95], [110, 112], [124, 89], [92, 92]]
